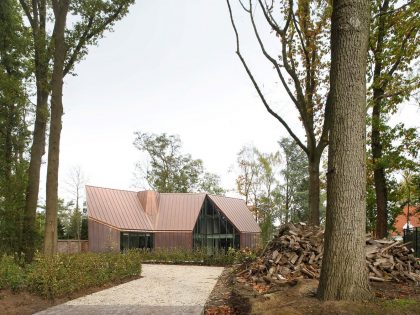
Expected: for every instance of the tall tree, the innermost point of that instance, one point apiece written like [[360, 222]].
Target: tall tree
[[60, 9], [63, 49], [295, 186], [247, 182], [36, 13], [344, 273], [167, 169], [258, 182], [301, 65], [394, 48], [14, 117]]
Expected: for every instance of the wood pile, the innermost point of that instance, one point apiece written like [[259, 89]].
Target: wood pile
[[297, 253]]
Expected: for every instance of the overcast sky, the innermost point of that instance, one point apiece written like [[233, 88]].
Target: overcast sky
[[169, 66]]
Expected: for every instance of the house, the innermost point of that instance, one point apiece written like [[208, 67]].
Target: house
[[409, 218], [121, 219]]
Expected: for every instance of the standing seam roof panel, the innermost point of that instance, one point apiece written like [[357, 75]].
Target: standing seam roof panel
[[117, 207], [237, 212]]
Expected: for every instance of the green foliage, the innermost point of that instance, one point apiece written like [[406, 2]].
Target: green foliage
[[14, 129], [296, 182], [267, 228], [210, 183], [62, 274], [197, 256], [258, 182], [94, 18], [168, 170], [12, 276], [84, 229], [393, 79]]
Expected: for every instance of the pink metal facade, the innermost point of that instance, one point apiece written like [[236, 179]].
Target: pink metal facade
[[177, 239], [102, 238], [249, 240], [170, 217]]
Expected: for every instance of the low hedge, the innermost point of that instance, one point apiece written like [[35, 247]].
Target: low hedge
[[62, 274], [197, 257]]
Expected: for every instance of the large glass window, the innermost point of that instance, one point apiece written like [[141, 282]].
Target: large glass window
[[132, 240], [213, 231]]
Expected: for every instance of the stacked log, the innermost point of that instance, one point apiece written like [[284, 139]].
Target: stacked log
[[297, 253]]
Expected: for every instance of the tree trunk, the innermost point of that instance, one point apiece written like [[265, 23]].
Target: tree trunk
[[344, 273], [38, 141], [314, 190], [378, 93], [32, 190], [50, 238], [378, 170]]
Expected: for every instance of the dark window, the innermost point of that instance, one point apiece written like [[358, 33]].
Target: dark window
[[213, 231], [132, 240]]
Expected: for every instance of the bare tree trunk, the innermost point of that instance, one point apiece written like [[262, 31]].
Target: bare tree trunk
[[379, 171], [38, 25], [50, 239], [344, 273], [32, 190], [378, 93], [314, 190]]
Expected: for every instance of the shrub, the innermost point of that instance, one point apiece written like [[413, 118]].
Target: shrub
[[12, 276], [198, 256], [63, 274]]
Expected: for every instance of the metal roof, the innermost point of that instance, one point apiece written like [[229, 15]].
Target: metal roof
[[178, 211], [237, 212], [118, 208], [153, 211]]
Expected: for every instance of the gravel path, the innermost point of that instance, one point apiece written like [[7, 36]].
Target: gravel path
[[163, 290]]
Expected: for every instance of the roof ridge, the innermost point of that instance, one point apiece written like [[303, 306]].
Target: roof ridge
[[133, 191], [225, 197], [181, 193]]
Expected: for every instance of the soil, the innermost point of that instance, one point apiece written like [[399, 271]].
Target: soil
[[233, 296], [23, 303]]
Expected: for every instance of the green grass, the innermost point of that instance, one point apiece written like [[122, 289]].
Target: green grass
[[401, 304]]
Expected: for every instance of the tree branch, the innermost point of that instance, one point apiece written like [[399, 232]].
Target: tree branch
[[401, 55], [270, 20], [323, 140], [282, 33], [87, 35], [393, 10], [285, 125], [27, 13], [272, 60], [305, 51]]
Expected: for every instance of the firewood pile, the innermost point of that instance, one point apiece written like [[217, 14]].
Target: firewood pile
[[297, 253]]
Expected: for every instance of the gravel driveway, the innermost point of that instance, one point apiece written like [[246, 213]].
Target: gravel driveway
[[163, 289]]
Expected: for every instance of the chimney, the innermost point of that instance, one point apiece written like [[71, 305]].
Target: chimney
[[149, 200]]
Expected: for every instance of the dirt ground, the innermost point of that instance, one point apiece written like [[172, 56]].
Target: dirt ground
[[231, 296], [24, 303]]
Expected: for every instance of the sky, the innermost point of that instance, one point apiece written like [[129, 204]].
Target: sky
[[170, 66]]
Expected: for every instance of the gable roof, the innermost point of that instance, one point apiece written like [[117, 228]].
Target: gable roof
[[153, 211], [237, 212]]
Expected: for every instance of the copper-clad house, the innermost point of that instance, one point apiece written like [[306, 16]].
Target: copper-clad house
[[121, 219]]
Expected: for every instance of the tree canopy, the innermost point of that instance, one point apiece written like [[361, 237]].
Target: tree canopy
[[166, 169]]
